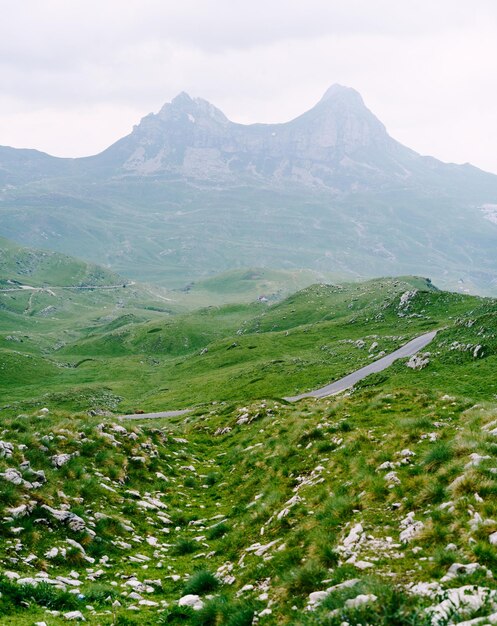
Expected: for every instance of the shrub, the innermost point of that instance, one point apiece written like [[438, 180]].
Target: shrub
[[211, 479], [42, 594], [239, 614], [177, 615]]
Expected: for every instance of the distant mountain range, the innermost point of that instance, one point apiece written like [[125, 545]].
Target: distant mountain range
[[189, 193]]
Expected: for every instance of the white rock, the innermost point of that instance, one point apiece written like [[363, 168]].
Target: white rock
[[386, 465], [460, 601], [13, 476], [75, 615], [411, 528], [52, 553], [259, 549], [354, 536], [192, 601], [476, 459], [427, 590], [19, 511], [76, 545], [74, 522], [58, 460], [6, 449], [265, 612], [392, 478], [137, 585], [135, 596], [362, 565], [419, 361], [360, 600], [315, 599], [462, 569]]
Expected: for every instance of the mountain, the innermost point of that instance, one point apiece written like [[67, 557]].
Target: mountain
[[335, 144], [188, 194]]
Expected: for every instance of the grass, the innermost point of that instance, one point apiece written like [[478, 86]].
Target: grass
[[215, 525], [201, 582], [236, 353], [248, 501]]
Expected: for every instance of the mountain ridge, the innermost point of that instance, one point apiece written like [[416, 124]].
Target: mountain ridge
[[336, 129], [189, 194]]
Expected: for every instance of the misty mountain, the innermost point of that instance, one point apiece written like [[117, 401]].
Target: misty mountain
[[189, 193]]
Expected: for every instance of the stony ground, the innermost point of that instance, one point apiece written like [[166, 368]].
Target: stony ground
[[372, 508]]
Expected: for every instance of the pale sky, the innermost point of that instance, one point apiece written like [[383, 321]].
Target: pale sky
[[76, 75]]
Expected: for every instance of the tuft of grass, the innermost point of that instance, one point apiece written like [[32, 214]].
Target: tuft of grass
[[307, 578], [218, 531], [441, 453], [185, 546], [201, 582], [41, 594]]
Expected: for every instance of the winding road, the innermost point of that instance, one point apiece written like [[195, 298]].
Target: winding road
[[349, 381], [408, 349]]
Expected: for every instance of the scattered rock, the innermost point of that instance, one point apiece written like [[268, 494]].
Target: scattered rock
[[75, 616], [192, 601]]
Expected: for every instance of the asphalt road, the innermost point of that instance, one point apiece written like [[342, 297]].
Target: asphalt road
[[151, 416], [347, 382]]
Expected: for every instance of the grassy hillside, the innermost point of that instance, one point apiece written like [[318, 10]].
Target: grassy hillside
[[40, 268], [243, 352], [170, 233], [374, 507], [247, 285], [383, 501]]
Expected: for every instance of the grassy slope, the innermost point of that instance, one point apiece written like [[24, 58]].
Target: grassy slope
[[235, 352], [238, 352], [225, 474], [170, 233], [246, 285], [40, 268], [221, 494]]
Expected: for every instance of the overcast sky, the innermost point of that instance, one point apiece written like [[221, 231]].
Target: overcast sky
[[76, 75]]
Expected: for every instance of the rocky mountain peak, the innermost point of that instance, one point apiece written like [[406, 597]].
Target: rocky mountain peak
[[193, 108], [337, 143], [339, 92]]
